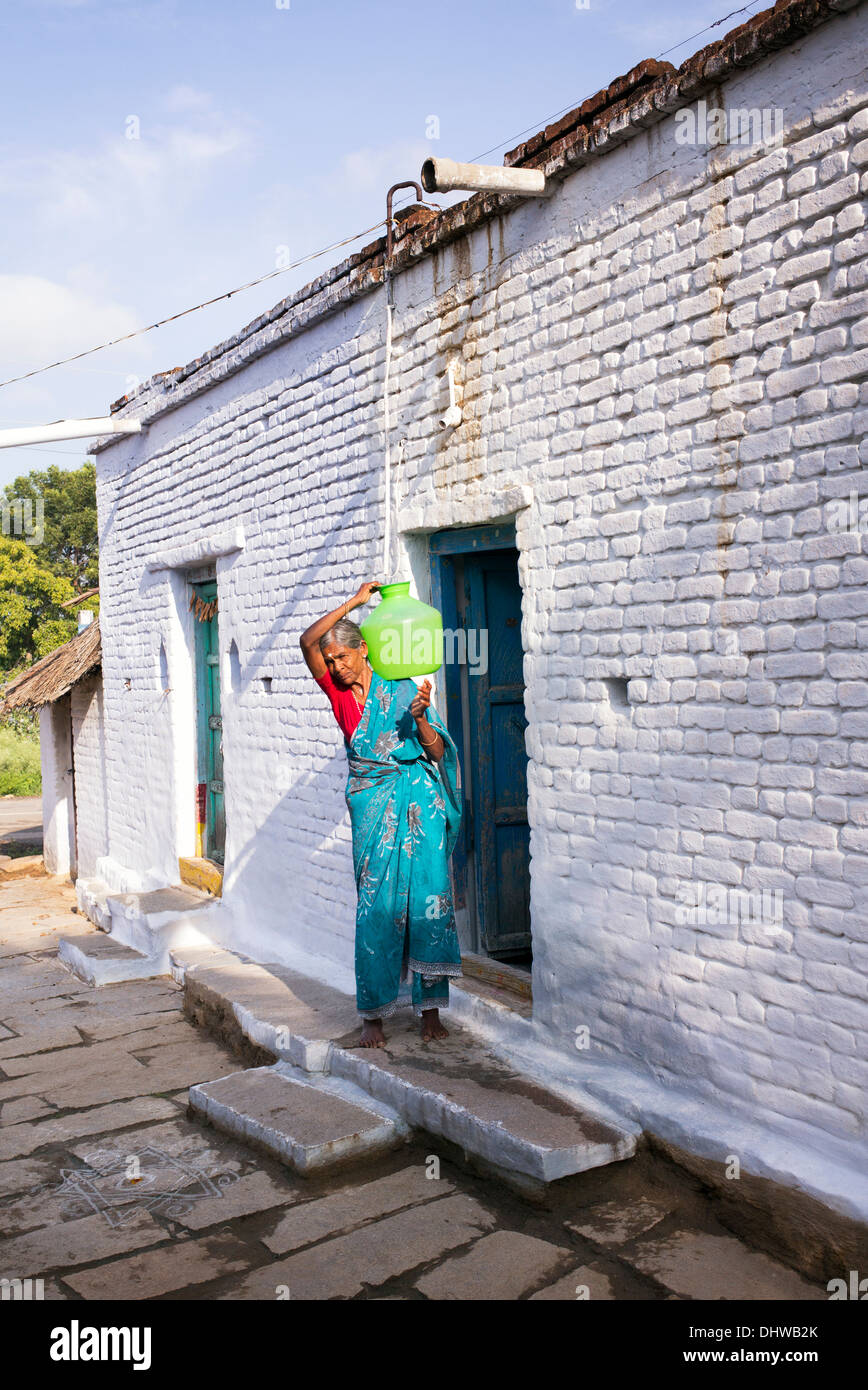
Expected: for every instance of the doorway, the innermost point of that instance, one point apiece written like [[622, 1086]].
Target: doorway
[[210, 801], [475, 585]]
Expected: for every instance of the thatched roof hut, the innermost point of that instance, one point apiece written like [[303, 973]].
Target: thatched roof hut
[[54, 675]]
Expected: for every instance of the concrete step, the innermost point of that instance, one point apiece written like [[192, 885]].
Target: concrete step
[[100, 960], [92, 894], [310, 1123], [458, 1089], [150, 923], [462, 1092], [290, 1015]]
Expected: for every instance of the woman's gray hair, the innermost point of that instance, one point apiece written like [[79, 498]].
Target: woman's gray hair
[[344, 634]]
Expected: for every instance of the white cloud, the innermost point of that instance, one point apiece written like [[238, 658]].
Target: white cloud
[[123, 182], [186, 98], [41, 320]]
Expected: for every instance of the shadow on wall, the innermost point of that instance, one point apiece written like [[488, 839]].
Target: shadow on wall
[[290, 887]]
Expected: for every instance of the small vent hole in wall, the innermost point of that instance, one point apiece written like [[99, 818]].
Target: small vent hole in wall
[[617, 688], [234, 667], [164, 668], [266, 684]]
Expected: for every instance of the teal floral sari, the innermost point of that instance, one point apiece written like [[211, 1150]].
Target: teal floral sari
[[405, 812]]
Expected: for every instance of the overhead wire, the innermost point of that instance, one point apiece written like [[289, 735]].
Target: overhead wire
[[160, 323], [334, 246]]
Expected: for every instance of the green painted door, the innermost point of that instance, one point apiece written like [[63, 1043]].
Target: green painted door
[[209, 724]]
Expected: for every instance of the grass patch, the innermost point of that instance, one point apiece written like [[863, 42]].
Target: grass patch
[[20, 770]]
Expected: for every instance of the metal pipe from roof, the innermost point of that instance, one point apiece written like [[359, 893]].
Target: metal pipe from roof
[[446, 176], [407, 183]]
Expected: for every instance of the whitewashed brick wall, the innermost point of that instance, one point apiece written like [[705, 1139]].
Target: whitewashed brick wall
[[88, 741], [671, 354]]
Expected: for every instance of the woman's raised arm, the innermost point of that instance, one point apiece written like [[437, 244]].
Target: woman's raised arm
[[309, 639]]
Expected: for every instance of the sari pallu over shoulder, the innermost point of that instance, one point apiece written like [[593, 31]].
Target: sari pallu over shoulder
[[405, 812]]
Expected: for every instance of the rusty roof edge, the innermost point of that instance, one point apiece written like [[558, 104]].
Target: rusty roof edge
[[649, 93]]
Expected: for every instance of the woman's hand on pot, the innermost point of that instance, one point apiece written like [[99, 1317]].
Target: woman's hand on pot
[[419, 706], [365, 590]]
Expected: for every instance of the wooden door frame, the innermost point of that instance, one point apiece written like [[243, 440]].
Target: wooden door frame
[[488, 813], [204, 576], [443, 547]]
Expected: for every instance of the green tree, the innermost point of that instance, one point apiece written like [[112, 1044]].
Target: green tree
[[31, 621], [70, 543]]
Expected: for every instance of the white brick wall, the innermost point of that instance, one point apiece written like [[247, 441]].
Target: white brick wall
[[88, 737], [671, 354]]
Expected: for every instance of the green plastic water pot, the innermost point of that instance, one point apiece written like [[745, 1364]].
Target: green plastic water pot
[[404, 636]]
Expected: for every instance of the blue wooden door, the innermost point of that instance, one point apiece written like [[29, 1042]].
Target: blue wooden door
[[499, 758], [209, 721]]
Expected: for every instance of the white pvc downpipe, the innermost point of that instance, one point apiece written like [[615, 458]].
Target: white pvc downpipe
[[67, 429], [387, 542], [445, 175]]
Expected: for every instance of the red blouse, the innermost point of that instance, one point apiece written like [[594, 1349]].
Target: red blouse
[[343, 702]]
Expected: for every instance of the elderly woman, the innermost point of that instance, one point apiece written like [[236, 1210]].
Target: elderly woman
[[405, 811]]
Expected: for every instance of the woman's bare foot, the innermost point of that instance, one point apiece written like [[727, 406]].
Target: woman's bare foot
[[431, 1026], [372, 1033]]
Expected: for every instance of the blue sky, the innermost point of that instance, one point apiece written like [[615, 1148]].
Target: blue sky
[[263, 129]]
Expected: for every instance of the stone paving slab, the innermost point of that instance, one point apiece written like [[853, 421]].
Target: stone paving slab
[[177, 1166], [97, 1028], [19, 1141], [308, 1125], [80, 1082], [253, 1193], [694, 1264], [90, 1056], [504, 1265], [343, 1267], [353, 1206], [38, 980], [43, 1208], [63, 1245], [20, 1174], [180, 1265], [177, 1135], [26, 1108], [76, 1084], [44, 1038], [613, 1223], [585, 1283], [122, 1002]]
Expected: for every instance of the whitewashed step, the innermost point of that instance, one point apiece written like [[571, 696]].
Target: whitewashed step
[[150, 923], [98, 959], [92, 897], [309, 1123], [154, 922], [458, 1089], [288, 1014]]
